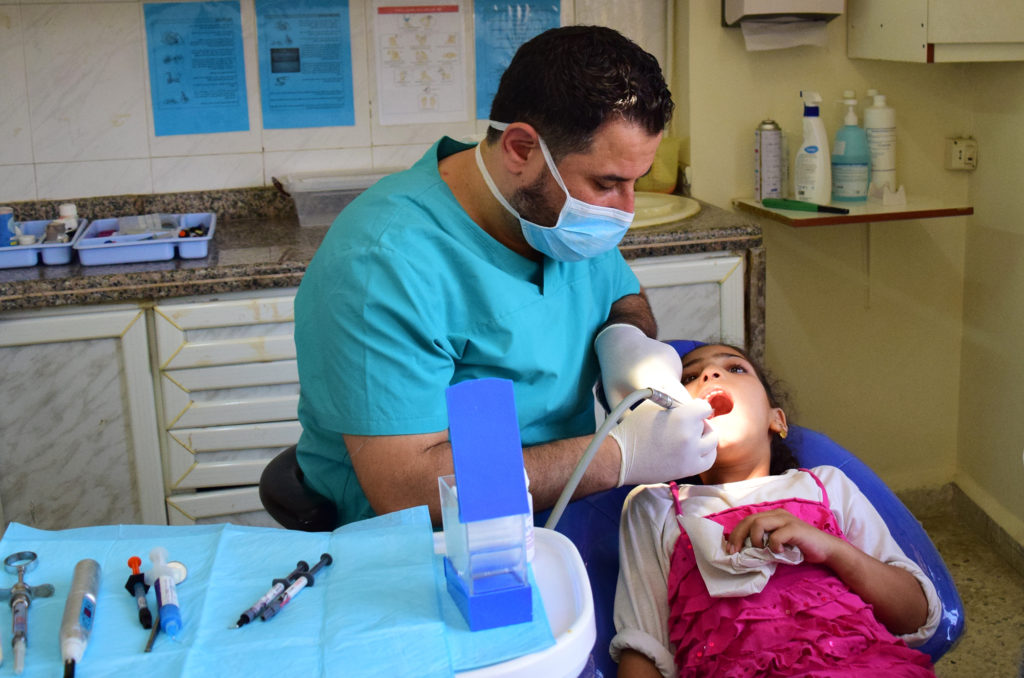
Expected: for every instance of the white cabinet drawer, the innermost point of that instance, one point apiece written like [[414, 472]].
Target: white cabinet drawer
[[240, 506], [229, 392], [225, 455]]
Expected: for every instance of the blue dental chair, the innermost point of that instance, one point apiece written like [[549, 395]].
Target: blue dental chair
[[592, 524]]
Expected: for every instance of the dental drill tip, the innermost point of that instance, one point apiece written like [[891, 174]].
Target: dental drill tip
[[19, 656], [69, 668]]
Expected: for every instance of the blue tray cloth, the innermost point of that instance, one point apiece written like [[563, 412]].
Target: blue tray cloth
[[376, 611]]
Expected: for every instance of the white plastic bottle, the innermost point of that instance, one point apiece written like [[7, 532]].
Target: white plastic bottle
[[851, 158], [812, 178], [880, 125]]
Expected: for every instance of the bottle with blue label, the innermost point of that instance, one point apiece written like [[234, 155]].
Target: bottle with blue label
[[812, 180], [851, 158]]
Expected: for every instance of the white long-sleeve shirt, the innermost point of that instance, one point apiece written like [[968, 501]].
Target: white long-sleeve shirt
[[649, 530]]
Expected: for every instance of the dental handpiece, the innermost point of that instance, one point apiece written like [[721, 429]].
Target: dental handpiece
[[79, 614], [634, 399], [662, 399]]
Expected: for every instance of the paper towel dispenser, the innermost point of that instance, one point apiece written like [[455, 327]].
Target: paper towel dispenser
[[734, 11]]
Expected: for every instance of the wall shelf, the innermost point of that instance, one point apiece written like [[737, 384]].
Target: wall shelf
[[860, 213]]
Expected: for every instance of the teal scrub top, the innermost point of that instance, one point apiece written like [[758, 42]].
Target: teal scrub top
[[407, 295]]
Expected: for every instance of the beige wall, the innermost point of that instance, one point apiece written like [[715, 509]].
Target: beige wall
[[863, 320], [899, 339], [991, 435]]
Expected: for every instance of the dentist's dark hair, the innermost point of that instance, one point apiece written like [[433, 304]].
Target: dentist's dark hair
[[568, 81]]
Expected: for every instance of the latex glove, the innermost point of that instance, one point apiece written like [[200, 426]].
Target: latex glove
[[659, 445], [631, 360]]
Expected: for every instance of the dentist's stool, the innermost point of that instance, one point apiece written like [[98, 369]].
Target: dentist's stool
[[287, 499]]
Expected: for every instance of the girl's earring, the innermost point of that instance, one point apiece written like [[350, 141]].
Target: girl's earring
[[783, 433]]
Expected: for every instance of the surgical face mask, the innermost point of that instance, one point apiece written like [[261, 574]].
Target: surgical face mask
[[582, 230]]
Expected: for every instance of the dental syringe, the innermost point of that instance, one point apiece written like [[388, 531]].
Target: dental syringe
[[21, 595], [279, 586], [162, 577]]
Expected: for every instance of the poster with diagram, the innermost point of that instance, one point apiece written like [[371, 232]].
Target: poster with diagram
[[500, 28], [420, 63], [196, 67], [305, 63]]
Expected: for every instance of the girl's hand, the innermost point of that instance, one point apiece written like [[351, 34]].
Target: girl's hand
[[778, 528], [894, 593]]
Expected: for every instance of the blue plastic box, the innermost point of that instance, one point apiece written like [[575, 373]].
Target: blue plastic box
[[52, 253], [150, 246]]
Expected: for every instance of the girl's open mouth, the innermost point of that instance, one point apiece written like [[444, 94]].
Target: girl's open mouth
[[720, 403]]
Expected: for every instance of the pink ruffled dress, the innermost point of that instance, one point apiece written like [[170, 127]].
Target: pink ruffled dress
[[806, 621]]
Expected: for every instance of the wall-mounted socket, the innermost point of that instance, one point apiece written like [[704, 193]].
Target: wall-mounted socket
[[961, 154]]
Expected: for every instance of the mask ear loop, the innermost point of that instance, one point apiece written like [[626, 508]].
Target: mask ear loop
[[550, 161], [490, 182]]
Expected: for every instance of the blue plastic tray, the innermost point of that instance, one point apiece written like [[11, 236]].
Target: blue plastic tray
[[53, 253], [151, 246]]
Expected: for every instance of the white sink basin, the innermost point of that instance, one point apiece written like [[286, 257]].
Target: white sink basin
[[653, 209]]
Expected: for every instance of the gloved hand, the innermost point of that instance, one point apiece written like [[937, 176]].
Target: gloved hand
[[659, 445], [631, 360]]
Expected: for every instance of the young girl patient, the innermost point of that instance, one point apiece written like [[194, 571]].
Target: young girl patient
[[762, 569]]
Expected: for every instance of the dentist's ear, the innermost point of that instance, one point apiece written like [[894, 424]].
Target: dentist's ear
[[778, 423], [518, 142]]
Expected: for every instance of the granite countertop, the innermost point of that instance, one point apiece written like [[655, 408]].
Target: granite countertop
[[250, 252]]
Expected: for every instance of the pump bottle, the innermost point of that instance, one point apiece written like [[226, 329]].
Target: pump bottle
[[813, 172], [851, 159], [880, 125]]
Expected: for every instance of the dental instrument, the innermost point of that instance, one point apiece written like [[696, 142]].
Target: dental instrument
[[802, 206], [153, 633], [21, 596], [279, 585], [79, 614], [137, 587], [302, 581], [163, 577], [659, 398]]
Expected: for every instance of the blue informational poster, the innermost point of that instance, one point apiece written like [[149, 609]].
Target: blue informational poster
[[305, 54], [196, 67], [501, 27]]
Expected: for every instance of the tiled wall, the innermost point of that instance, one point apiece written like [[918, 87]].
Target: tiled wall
[[76, 116]]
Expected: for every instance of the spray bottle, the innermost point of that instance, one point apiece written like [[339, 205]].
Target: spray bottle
[[880, 125], [813, 172], [851, 159]]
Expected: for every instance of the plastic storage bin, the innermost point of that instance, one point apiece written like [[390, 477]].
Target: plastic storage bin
[[149, 246], [51, 253], [320, 196]]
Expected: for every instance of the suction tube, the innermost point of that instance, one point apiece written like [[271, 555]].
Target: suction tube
[[610, 422]]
